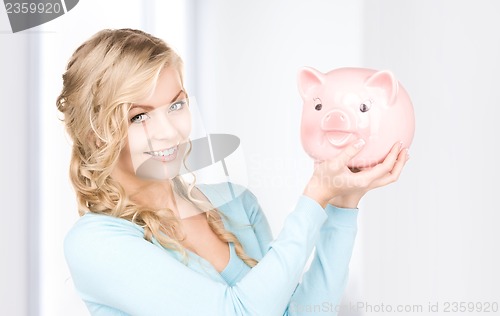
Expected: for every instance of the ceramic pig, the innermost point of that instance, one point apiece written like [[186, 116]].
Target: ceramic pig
[[346, 104]]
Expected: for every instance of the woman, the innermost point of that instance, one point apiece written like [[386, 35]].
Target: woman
[[146, 246]]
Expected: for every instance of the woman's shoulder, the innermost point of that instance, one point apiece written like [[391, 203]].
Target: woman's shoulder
[[233, 200], [93, 229], [227, 193], [91, 223]]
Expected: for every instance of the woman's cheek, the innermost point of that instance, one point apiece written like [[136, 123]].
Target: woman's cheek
[[137, 145], [185, 128]]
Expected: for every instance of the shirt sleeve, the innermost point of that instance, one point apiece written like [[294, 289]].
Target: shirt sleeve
[[322, 286], [112, 265], [324, 283]]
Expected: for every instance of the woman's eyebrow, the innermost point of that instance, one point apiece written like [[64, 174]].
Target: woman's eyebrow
[[144, 107], [149, 107], [176, 96]]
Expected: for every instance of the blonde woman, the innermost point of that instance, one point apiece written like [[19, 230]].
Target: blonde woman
[[147, 246]]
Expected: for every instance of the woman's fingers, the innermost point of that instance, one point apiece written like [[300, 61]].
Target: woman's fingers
[[380, 170], [395, 172], [369, 176], [333, 177], [390, 160], [346, 155], [340, 161]]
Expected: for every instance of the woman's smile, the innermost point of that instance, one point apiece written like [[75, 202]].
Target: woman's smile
[[167, 154]]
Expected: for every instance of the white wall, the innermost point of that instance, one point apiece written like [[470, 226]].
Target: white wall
[[13, 164], [433, 236]]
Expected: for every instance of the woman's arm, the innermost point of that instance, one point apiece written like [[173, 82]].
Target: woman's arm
[[112, 265], [324, 282]]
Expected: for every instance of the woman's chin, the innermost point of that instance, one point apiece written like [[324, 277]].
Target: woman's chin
[[155, 169]]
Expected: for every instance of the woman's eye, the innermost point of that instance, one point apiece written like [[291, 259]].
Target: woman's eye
[[139, 118], [177, 105]]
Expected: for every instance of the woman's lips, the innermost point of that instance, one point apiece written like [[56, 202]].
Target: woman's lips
[[164, 155]]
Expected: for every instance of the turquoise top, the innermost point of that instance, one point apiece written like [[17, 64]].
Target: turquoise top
[[117, 272]]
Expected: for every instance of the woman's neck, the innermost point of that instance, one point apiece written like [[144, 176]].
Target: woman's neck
[[156, 194]]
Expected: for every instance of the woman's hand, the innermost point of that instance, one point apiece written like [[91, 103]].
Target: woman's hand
[[333, 182]]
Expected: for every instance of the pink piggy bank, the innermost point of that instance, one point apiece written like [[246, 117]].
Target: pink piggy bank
[[346, 104]]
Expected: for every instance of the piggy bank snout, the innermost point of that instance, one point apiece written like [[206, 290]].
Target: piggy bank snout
[[336, 120]]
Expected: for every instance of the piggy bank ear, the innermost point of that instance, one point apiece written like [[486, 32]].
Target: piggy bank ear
[[385, 81], [308, 79]]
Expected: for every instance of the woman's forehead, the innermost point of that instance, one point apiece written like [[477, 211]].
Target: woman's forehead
[[167, 90]]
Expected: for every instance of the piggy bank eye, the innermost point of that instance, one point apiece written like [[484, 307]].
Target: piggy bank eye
[[365, 106], [317, 104]]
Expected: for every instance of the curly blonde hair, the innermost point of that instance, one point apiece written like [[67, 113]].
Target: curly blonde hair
[[103, 76]]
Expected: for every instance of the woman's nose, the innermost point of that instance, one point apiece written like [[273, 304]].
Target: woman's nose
[[161, 127]]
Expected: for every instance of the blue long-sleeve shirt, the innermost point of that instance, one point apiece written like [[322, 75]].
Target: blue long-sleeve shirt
[[117, 272]]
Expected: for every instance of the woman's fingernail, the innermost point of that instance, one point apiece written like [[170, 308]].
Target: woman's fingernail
[[400, 145], [360, 143], [407, 154]]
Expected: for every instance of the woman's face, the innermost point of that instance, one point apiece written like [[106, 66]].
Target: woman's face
[[158, 132]]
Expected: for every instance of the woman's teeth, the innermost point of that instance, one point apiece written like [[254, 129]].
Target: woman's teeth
[[163, 153]]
